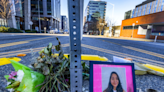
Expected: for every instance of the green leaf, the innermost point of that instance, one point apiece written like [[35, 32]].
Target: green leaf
[[13, 85], [57, 47], [50, 45], [83, 64], [41, 51], [46, 50], [57, 38], [61, 55], [6, 77]]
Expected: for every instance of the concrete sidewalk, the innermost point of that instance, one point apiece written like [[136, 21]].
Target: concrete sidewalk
[[124, 38], [91, 36]]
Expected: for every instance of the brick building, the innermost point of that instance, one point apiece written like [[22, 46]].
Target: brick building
[[147, 20]]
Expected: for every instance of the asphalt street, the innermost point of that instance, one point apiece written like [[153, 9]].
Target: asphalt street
[[139, 51]]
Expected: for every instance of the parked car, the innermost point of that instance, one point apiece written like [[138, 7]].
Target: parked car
[[66, 32], [54, 31]]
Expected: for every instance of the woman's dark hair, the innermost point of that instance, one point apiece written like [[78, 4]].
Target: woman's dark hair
[[110, 86]]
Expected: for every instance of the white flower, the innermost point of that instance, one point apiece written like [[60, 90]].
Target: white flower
[[20, 75]]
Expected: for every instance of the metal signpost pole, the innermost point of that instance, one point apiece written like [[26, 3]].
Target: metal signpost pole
[[75, 9]]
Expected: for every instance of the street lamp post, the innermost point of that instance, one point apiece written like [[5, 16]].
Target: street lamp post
[[110, 29], [133, 29], [112, 10], [39, 16]]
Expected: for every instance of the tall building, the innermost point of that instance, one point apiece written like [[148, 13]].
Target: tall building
[[94, 9], [64, 23], [25, 14], [49, 14], [96, 6], [145, 21], [16, 18]]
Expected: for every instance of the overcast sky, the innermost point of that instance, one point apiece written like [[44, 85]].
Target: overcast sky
[[121, 6]]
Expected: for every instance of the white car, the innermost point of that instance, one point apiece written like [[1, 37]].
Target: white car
[[53, 31]]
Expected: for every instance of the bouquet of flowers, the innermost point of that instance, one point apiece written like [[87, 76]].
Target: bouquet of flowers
[[23, 79], [49, 72]]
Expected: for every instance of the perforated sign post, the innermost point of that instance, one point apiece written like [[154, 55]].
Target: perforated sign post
[[75, 9]]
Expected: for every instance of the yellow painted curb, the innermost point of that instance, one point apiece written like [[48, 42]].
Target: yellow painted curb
[[4, 61], [155, 68], [89, 57]]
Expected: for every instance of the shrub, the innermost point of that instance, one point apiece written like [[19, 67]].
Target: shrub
[[1, 29], [13, 30], [9, 30], [4, 29], [29, 31]]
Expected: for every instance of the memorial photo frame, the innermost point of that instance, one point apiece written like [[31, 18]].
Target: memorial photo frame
[[112, 77]]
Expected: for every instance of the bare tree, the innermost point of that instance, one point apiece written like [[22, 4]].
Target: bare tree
[[6, 9], [111, 24], [101, 25], [93, 24]]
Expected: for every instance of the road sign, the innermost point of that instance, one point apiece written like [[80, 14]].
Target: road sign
[[75, 9]]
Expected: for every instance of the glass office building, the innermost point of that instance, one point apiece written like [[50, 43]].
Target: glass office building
[[94, 10], [96, 6], [148, 7], [49, 14]]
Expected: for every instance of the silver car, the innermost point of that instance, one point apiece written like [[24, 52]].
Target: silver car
[[53, 31]]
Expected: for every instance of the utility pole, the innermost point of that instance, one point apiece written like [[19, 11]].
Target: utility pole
[[110, 27], [39, 16]]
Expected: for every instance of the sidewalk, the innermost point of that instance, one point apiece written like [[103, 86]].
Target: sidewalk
[[124, 38], [91, 36]]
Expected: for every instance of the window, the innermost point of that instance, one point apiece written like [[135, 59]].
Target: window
[[140, 11], [144, 9], [136, 12], [130, 27], [162, 5], [92, 9], [159, 6], [102, 3], [94, 6], [133, 13], [155, 8], [94, 3], [150, 8], [48, 7], [34, 7]]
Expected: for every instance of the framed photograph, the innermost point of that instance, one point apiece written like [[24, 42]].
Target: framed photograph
[[112, 77]]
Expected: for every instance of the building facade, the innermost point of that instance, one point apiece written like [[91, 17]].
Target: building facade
[[94, 9], [25, 15], [96, 6], [49, 14], [16, 15], [146, 21], [64, 23]]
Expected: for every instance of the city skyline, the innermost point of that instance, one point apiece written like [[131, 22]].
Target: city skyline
[[120, 8]]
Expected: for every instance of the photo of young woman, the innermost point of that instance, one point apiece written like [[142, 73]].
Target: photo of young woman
[[114, 84]]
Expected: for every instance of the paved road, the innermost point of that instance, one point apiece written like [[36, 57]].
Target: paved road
[[140, 51], [145, 52]]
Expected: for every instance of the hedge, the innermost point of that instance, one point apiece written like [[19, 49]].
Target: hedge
[[9, 30]]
